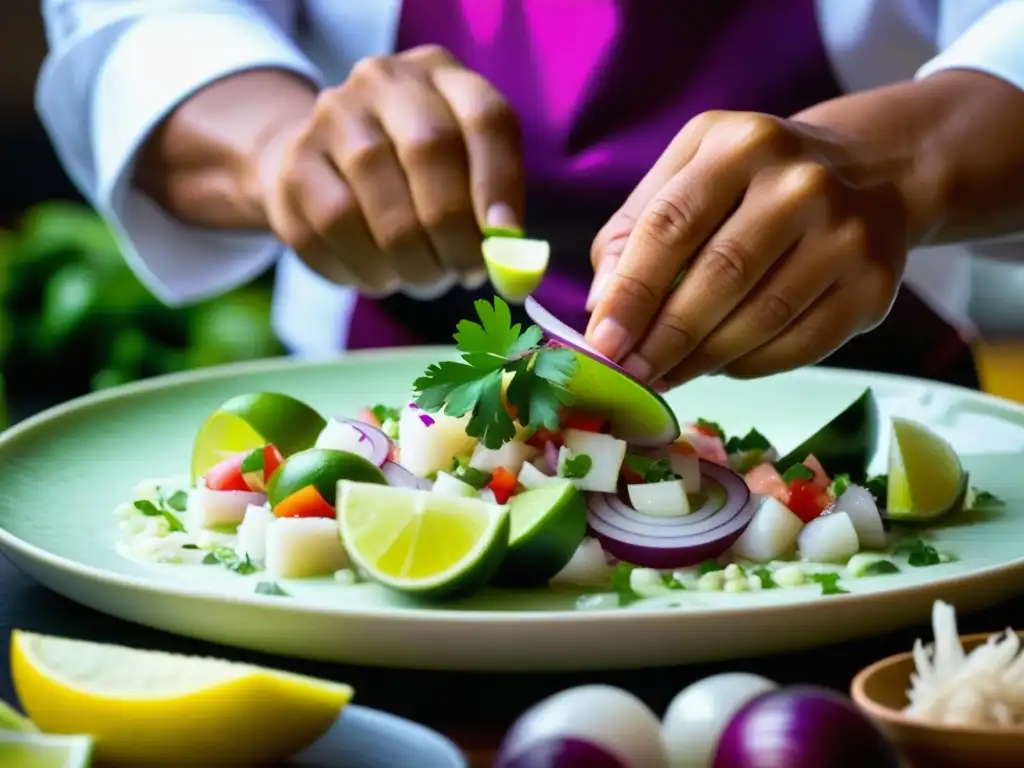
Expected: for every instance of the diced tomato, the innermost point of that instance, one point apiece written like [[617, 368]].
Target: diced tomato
[[367, 416], [272, 459], [305, 502], [766, 480], [502, 484], [630, 476], [806, 500], [821, 478], [226, 475], [709, 447], [585, 422], [544, 435]]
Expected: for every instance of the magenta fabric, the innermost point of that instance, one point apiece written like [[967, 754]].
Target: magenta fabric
[[601, 87]]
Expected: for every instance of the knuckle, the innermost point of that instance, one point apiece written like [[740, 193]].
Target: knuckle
[[726, 264], [634, 288], [442, 214], [806, 180], [370, 69], [777, 310], [667, 221], [430, 54], [362, 158], [429, 144], [676, 331], [492, 115], [329, 210], [397, 232], [853, 236], [758, 133]]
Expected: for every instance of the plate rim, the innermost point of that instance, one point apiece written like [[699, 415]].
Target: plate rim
[[401, 614]]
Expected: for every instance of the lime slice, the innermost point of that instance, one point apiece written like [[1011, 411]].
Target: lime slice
[[40, 750], [515, 265], [546, 525], [926, 479], [250, 421], [153, 709], [12, 720], [419, 542], [323, 468]]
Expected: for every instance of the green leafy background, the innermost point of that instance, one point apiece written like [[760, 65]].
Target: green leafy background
[[73, 317]]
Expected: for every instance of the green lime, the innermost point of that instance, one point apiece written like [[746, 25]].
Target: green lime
[[547, 524], [503, 232], [926, 479], [322, 468], [12, 720], [846, 444], [250, 421], [515, 265], [419, 542], [39, 750]]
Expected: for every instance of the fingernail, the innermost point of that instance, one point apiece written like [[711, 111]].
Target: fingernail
[[638, 366], [600, 284], [610, 338], [501, 215]]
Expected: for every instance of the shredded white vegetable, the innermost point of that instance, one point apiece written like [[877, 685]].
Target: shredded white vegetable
[[982, 688]]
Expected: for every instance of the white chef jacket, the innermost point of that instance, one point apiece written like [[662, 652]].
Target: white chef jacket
[[116, 68]]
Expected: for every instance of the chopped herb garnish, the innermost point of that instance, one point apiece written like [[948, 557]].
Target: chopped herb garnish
[[767, 581], [840, 483], [489, 349], [986, 499], [577, 466], [620, 583], [253, 462], [149, 509], [798, 472], [878, 485], [880, 568], [231, 560], [178, 501], [919, 554], [752, 441], [708, 566], [384, 413], [652, 470], [829, 583], [709, 426], [270, 588], [190, 546]]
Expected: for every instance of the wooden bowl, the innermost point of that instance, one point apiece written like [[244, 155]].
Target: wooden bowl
[[880, 691]]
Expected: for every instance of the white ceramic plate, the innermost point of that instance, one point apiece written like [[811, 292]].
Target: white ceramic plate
[[62, 472]]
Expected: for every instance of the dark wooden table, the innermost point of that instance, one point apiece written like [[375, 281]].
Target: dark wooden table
[[474, 709]]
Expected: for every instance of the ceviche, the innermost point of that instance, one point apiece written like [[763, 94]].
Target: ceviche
[[532, 461]]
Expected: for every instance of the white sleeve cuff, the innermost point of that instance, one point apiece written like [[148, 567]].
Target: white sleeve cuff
[[993, 44], [146, 70]]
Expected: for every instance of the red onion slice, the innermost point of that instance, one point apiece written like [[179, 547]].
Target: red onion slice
[[649, 542], [400, 477], [551, 457], [379, 445]]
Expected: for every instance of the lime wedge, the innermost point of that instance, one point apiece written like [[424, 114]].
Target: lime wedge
[[39, 750], [250, 421], [546, 525], [12, 720], [323, 468], [515, 265], [926, 479], [419, 542]]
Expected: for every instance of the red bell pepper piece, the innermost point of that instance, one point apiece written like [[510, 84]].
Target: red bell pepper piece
[[502, 484], [305, 502], [806, 500]]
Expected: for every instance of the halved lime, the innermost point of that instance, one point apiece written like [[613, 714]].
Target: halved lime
[[12, 720], [41, 750], [515, 265], [250, 421], [322, 468], [547, 524], [926, 479], [419, 542]]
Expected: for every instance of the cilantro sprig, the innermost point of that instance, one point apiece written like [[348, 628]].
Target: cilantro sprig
[[231, 560], [490, 349], [165, 508]]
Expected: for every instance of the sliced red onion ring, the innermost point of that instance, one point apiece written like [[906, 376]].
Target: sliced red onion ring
[[400, 477], [379, 445], [673, 542]]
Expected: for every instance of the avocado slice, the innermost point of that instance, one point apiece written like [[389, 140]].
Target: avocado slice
[[844, 445]]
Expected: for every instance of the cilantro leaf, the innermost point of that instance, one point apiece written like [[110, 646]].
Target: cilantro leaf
[[270, 588], [881, 568], [537, 390], [149, 509], [840, 483], [231, 560], [713, 427], [798, 472], [490, 421], [652, 470], [919, 554], [878, 485], [253, 462], [577, 466], [494, 335], [384, 413], [986, 499], [438, 382], [829, 583], [752, 441], [767, 580], [178, 501]]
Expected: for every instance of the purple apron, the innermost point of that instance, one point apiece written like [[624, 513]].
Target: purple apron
[[601, 87]]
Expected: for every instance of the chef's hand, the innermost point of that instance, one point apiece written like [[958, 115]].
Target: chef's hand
[[785, 251], [389, 181]]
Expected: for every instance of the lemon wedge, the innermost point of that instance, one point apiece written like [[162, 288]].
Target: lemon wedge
[[149, 708], [515, 265]]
